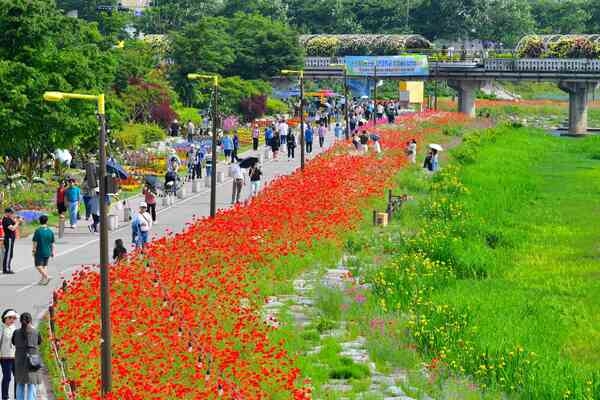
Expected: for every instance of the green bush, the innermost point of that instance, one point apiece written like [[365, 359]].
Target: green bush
[[275, 106], [131, 137], [189, 114], [134, 136], [153, 133]]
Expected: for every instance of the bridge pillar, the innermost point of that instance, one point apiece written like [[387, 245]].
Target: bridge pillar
[[467, 93], [578, 105]]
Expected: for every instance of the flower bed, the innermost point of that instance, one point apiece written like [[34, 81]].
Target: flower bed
[[185, 315]]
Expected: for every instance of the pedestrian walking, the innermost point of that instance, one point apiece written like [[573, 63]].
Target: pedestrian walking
[[173, 162], [268, 135], [191, 129], [7, 349], [355, 141], [308, 138], [141, 226], [255, 136], [236, 148], [376, 143], [321, 132], [28, 363], [119, 252], [43, 248], [275, 143], [364, 142], [94, 204], [60, 198], [291, 145], [174, 128], [10, 224], [149, 193], [412, 151], [255, 177], [238, 181], [431, 163], [72, 196], [227, 145], [338, 131], [284, 129]]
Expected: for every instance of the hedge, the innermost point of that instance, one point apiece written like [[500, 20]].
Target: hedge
[[360, 45]]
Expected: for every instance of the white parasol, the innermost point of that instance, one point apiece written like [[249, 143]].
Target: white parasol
[[436, 147]]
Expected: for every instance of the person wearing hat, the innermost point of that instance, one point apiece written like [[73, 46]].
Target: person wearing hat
[[43, 248], [10, 224], [7, 349], [141, 226]]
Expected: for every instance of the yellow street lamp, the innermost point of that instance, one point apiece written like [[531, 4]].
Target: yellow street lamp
[[106, 356], [215, 117], [300, 74]]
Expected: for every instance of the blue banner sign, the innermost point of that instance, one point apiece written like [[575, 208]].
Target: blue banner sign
[[387, 66]]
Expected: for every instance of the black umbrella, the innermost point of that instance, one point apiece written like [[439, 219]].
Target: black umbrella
[[112, 167], [374, 137], [152, 181], [248, 162]]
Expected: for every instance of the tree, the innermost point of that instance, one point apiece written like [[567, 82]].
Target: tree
[[166, 16], [202, 46], [262, 46], [45, 50], [275, 9], [559, 17]]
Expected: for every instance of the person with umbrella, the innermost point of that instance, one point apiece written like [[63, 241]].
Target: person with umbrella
[[431, 163], [238, 182]]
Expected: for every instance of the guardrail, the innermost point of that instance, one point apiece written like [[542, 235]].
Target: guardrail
[[542, 65], [489, 64]]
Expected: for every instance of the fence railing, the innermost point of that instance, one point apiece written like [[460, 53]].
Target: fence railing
[[488, 63]]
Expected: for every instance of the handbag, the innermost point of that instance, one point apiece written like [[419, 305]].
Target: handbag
[[34, 361]]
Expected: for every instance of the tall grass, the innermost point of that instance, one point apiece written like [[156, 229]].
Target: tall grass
[[497, 263]]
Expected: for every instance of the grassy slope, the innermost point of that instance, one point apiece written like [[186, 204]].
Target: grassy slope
[[539, 196]]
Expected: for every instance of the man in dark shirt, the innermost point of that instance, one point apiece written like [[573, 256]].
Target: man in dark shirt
[[10, 224]]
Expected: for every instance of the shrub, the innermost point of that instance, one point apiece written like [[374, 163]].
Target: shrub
[[131, 137], [153, 133], [163, 114], [322, 46], [275, 106], [573, 48], [533, 48], [253, 107], [189, 114]]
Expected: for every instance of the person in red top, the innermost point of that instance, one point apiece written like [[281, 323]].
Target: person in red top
[[60, 198], [150, 198]]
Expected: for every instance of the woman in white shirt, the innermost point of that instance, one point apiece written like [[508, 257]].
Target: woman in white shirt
[[7, 349]]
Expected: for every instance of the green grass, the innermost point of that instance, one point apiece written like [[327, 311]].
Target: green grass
[[496, 263]]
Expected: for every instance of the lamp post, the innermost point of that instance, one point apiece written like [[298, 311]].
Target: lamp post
[[300, 75], [347, 104], [106, 355], [215, 116]]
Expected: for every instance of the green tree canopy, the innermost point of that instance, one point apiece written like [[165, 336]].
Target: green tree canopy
[[262, 46]]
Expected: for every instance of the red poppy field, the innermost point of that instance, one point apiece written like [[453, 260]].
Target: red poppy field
[[186, 315]]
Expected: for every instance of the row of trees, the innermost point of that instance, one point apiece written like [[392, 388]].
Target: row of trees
[[497, 20]]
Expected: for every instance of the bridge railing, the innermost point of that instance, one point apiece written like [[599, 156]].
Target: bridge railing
[[542, 65], [489, 63]]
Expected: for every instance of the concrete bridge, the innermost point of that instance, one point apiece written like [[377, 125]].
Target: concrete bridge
[[577, 77]]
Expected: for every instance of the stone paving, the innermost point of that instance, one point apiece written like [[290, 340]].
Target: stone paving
[[301, 307]]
